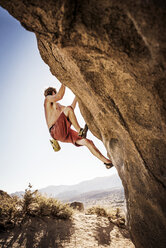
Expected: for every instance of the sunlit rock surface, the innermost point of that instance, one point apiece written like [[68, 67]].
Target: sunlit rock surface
[[111, 54]]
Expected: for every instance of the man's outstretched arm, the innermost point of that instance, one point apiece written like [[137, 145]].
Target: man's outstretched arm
[[74, 103], [58, 96], [61, 92]]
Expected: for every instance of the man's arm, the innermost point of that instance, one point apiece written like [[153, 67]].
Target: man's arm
[[61, 92], [58, 96], [74, 103]]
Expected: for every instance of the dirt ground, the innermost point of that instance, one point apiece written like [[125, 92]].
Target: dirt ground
[[83, 231]]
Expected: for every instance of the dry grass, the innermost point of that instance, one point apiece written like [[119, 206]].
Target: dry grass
[[99, 211], [114, 215]]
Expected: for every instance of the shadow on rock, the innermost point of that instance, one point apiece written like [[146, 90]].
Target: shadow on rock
[[125, 233], [38, 232]]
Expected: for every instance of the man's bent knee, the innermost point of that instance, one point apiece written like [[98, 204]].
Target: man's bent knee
[[69, 107], [67, 110]]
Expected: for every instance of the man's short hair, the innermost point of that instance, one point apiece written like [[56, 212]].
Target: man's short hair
[[49, 91]]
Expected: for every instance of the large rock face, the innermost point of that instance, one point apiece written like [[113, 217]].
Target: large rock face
[[111, 54]]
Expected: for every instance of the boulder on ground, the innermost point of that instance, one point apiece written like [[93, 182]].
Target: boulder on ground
[[77, 205]]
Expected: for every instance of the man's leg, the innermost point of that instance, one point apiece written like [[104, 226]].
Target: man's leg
[[93, 149], [69, 112]]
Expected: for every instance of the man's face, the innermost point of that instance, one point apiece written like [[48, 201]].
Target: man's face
[[53, 93]]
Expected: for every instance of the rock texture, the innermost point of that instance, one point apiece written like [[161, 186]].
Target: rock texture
[[111, 54]]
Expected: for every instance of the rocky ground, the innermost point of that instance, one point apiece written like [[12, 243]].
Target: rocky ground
[[83, 231]]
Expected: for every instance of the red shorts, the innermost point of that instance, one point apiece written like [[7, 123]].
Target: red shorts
[[61, 131]]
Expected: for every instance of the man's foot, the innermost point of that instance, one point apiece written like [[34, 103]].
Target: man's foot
[[83, 131], [109, 165]]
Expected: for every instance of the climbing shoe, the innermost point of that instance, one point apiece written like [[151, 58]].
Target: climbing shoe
[[83, 131], [109, 165]]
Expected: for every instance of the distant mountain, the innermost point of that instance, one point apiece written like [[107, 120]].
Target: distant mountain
[[18, 193], [95, 191], [97, 184]]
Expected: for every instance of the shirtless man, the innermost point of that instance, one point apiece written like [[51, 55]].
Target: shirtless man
[[59, 118]]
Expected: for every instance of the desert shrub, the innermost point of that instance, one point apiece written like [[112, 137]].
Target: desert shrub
[[116, 217], [7, 207], [9, 211], [50, 206], [14, 210], [28, 198], [99, 211], [39, 205], [113, 215]]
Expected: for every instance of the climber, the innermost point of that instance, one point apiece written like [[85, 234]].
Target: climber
[[59, 119]]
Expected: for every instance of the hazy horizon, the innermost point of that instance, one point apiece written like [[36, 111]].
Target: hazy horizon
[[59, 185]]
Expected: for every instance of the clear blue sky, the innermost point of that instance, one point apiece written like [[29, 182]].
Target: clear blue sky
[[25, 151]]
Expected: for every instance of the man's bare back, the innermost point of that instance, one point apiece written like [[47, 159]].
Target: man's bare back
[[52, 112], [52, 108]]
